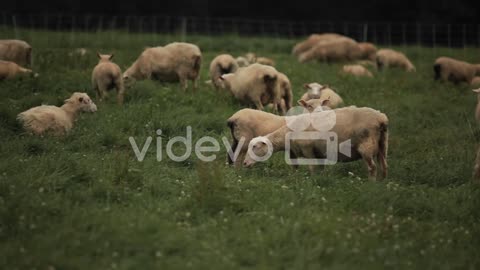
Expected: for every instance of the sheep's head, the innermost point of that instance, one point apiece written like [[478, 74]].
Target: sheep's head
[[242, 61], [259, 149], [82, 101], [314, 89], [251, 57], [105, 57], [128, 79], [225, 80], [312, 104]]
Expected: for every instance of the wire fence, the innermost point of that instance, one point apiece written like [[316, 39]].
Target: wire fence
[[383, 33]]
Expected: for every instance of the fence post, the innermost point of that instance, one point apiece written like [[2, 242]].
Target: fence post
[[389, 32], [183, 28], [434, 39], [419, 34], [365, 32], [464, 35], [14, 23], [448, 36]]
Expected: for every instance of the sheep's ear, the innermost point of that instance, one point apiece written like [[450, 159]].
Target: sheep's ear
[[306, 86], [302, 103], [221, 78], [326, 102], [111, 57], [99, 56], [476, 90], [267, 78], [325, 87]]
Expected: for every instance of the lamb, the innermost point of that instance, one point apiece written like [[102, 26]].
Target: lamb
[[322, 92], [172, 63], [248, 124], [356, 70], [390, 58], [312, 40], [17, 51], [9, 70], [340, 49], [449, 69], [222, 64], [57, 120], [365, 127], [107, 75], [242, 61], [254, 85]]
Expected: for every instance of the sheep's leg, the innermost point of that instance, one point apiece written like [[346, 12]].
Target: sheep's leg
[[240, 158], [120, 92], [258, 105], [195, 84], [184, 83], [372, 168], [102, 91]]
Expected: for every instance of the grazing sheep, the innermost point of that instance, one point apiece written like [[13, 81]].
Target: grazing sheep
[[286, 95], [248, 124], [390, 58], [107, 75], [312, 40], [368, 51], [17, 51], [366, 128], [475, 81], [254, 85], [222, 64], [9, 70], [449, 69], [322, 92], [57, 120], [242, 61], [356, 70], [172, 63], [340, 49]]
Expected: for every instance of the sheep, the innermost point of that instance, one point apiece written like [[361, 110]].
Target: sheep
[[449, 69], [322, 92], [368, 51], [475, 81], [248, 124], [17, 51], [242, 61], [365, 127], [107, 75], [252, 58], [286, 95], [254, 85], [57, 120], [312, 40], [390, 58], [222, 64], [9, 70], [356, 70], [313, 104], [340, 49], [172, 63]]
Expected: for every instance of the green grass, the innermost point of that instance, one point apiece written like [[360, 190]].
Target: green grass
[[85, 202]]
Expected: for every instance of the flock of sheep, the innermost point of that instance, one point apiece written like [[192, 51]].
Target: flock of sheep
[[255, 83]]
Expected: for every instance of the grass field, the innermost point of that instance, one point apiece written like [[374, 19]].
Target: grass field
[[85, 202]]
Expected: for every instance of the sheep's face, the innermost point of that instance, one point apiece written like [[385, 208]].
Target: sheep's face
[[128, 80], [224, 80], [257, 149], [314, 89], [83, 101], [242, 61], [315, 104]]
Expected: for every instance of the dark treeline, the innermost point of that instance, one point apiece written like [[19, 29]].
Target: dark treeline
[[338, 10]]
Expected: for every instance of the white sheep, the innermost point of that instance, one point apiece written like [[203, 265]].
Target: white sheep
[[313, 40], [356, 70], [222, 64], [9, 70], [17, 51], [57, 120], [322, 92], [368, 51], [107, 75], [172, 63], [340, 49], [242, 61], [449, 69], [389, 58], [255, 85], [366, 128], [286, 95], [248, 124]]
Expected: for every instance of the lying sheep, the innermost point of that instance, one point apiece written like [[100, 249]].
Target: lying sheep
[[356, 70], [449, 69], [242, 61], [9, 70], [248, 124], [172, 63], [17, 51], [340, 49], [390, 58], [312, 40], [366, 128], [368, 51], [252, 58], [57, 120], [222, 64], [254, 85], [322, 92], [107, 75]]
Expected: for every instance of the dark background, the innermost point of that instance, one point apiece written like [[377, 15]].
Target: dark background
[[337, 10]]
